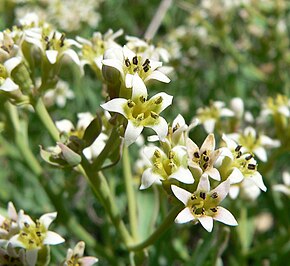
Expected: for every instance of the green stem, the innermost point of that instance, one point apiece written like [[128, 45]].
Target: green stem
[[46, 119], [159, 231], [132, 207], [101, 188]]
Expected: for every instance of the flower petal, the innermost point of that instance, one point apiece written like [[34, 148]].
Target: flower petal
[[166, 100], [9, 85], [234, 191], [224, 216], [31, 257], [208, 144], [148, 178], [236, 176], [261, 153], [206, 222], [184, 216], [161, 128], [157, 75], [138, 87], [51, 56], [72, 55], [183, 175], [180, 193], [203, 184], [132, 132], [52, 238], [15, 242], [88, 261], [213, 173], [47, 219], [258, 180], [115, 105], [222, 190], [209, 125]]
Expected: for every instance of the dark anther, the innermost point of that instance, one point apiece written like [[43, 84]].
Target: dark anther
[[239, 154], [146, 68], [214, 195], [213, 209], [196, 155], [127, 62], [202, 195], [205, 165], [38, 234], [204, 153], [249, 157], [23, 234], [47, 46], [135, 60], [251, 166], [31, 241], [206, 158], [46, 38], [238, 147], [146, 63], [26, 225], [5, 48], [62, 37], [193, 197]]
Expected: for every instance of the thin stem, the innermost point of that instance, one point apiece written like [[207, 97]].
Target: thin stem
[[100, 186], [159, 231], [132, 204], [157, 19], [46, 119]]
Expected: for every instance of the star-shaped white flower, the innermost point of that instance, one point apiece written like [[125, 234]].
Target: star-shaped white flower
[[141, 112], [255, 143], [202, 205], [284, 188], [76, 256], [164, 167], [131, 66], [33, 236], [203, 159]]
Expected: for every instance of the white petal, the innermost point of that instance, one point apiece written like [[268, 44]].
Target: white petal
[[157, 75], [161, 128], [231, 144], [115, 64], [284, 110], [236, 176], [128, 53], [180, 193], [23, 218], [224, 216], [208, 144], [129, 80], [52, 238], [213, 173], [9, 85], [64, 125], [88, 261], [258, 180], [51, 56], [132, 132], [268, 142], [206, 222], [222, 190], [282, 188], [225, 112], [203, 184], [178, 120], [148, 178], [47, 219], [138, 87], [31, 257], [166, 100], [183, 175], [234, 192], [150, 150], [15, 242], [115, 105], [286, 178], [209, 125], [72, 55], [184, 216], [261, 153], [11, 63]]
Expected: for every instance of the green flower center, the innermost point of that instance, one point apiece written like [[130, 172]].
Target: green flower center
[[32, 235], [202, 203], [136, 66], [202, 159]]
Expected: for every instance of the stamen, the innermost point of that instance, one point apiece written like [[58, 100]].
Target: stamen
[[213, 209], [140, 117], [135, 60], [171, 155], [251, 166], [62, 37], [206, 158], [196, 155], [26, 224], [176, 127], [157, 154], [146, 63], [238, 147], [130, 103], [239, 155], [142, 99], [158, 100], [38, 234], [193, 197], [202, 195], [146, 68], [127, 62], [214, 195], [205, 165], [249, 157], [154, 115]]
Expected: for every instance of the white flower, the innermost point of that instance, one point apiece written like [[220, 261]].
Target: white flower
[[237, 106], [132, 66], [242, 168], [255, 143], [33, 236], [53, 45], [279, 105], [209, 116], [284, 188], [203, 159], [202, 205], [164, 167], [76, 256], [141, 112], [9, 256]]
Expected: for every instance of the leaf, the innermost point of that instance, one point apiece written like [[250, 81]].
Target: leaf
[[71, 157], [92, 131]]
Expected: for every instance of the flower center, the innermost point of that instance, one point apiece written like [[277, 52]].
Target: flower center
[[32, 236], [165, 166], [202, 159], [202, 203], [54, 43], [136, 66]]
